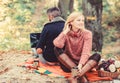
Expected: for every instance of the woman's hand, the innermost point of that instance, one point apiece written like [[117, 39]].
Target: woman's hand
[[67, 29], [39, 51], [80, 67]]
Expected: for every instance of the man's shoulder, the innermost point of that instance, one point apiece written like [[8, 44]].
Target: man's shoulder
[[53, 23]]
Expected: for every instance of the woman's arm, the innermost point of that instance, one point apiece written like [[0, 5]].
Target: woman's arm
[[87, 48], [60, 40]]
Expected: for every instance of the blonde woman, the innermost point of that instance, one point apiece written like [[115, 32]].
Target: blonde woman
[[73, 46]]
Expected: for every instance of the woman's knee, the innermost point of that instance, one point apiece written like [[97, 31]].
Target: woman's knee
[[96, 57], [58, 51]]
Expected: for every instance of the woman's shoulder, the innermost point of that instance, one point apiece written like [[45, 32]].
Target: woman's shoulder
[[87, 34], [86, 31]]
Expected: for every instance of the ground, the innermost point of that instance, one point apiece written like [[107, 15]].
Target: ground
[[11, 73]]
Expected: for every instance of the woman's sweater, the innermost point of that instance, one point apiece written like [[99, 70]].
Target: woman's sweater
[[78, 45]]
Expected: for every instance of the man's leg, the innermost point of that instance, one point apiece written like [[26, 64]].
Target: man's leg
[[39, 56]]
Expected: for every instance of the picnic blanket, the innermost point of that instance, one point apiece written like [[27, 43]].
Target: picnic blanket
[[56, 71]]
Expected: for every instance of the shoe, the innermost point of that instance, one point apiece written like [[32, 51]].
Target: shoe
[[82, 79], [52, 63]]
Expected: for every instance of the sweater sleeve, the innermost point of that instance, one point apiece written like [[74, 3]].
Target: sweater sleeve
[[60, 40], [87, 48]]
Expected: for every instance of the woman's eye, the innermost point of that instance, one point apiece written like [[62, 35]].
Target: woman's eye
[[79, 20], [83, 20]]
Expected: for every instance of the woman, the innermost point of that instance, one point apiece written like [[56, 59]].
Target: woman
[[74, 45]]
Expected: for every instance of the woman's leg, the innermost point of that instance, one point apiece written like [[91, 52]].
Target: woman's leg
[[92, 62], [66, 62]]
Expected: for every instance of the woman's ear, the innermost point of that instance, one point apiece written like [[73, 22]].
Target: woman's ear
[[70, 25]]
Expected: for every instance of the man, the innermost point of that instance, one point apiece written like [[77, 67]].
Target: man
[[50, 31]]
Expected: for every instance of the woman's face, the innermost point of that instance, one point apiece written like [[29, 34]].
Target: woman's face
[[78, 23]]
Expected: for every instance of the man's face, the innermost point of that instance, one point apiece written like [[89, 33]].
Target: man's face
[[50, 16]]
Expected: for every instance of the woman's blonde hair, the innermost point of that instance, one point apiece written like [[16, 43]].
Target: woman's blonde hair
[[71, 18]]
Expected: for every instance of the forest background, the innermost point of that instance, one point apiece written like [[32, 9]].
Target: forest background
[[19, 18]]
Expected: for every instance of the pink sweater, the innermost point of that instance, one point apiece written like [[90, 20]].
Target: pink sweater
[[78, 45]]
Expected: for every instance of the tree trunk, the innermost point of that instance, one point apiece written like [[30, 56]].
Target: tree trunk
[[66, 7], [71, 5], [92, 10]]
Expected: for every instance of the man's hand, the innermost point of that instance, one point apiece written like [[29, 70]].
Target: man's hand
[[39, 51]]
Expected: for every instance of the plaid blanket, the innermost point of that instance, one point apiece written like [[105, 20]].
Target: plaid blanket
[[56, 71]]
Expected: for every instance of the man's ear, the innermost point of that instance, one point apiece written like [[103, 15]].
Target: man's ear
[[52, 17]]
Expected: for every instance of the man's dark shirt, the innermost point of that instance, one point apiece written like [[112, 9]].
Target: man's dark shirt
[[48, 34]]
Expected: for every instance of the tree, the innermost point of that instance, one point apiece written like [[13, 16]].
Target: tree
[[92, 10], [66, 7]]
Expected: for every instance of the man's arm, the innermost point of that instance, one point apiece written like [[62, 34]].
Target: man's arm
[[42, 41]]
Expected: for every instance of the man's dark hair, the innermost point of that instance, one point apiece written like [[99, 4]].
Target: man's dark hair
[[54, 11]]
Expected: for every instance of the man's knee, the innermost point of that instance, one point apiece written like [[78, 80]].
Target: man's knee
[[58, 51], [96, 57]]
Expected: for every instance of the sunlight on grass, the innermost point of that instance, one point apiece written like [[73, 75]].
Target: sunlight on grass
[[112, 48], [13, 36]]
